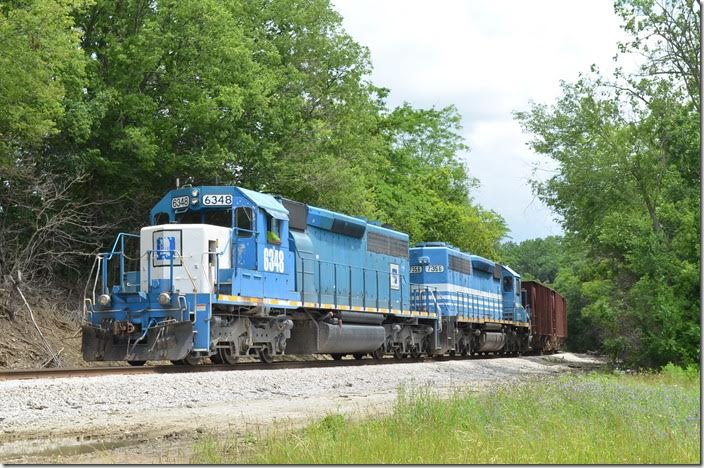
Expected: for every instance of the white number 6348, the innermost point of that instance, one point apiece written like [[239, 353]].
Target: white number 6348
[[274, 260]]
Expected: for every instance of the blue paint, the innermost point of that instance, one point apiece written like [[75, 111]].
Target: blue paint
[[465, 287], [335, 261]]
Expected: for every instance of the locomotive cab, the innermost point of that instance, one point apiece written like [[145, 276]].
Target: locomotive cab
[[208, 253], [511, 295], [254, 259]]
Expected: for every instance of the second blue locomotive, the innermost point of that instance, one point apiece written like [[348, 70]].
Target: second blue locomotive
[[224, 272]]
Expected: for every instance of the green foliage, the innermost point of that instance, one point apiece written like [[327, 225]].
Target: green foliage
[[40, 66], [535, 259], [423, 188], [673, 374], [271, 95], [627, 189], [642, 418]]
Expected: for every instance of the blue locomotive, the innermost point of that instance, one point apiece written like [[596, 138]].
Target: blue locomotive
[[224, 272], [480, 300]]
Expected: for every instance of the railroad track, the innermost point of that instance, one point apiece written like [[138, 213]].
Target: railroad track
[[61, 372]]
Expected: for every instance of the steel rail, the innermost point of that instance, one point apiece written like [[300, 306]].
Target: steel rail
[[63, 372]]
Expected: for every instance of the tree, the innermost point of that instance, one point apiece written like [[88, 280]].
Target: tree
[[535, 259], [40, 66], [271, 95], [424, 188], [46, 227], [627, 188]]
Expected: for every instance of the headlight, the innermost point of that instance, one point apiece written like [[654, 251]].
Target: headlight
[[194, 201], [164, 298], [104, 300], [194, 192]]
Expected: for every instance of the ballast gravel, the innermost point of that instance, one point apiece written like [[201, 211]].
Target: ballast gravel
[[34, 412]]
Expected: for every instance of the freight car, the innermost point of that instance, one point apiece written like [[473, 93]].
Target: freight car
[[224, 272], [548, 317]]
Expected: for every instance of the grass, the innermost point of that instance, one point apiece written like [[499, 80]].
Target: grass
[[595, 418]]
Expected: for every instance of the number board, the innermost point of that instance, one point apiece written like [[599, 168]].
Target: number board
[[217, 200], [434, 268], [179, 202], [416, 269]]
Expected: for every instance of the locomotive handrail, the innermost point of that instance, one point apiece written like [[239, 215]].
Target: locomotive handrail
[[350, 268], [104, 257], [437, 308], [85, 290], [430, 293], [120, 238], [190, 277]]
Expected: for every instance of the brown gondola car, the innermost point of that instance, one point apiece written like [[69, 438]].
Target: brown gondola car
[[548, 316]]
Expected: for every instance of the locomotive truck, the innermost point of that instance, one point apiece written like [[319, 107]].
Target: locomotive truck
[[223, 272]]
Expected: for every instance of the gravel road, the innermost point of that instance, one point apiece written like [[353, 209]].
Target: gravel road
[[156, 418]]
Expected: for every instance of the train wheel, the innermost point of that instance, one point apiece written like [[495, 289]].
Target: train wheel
[[337, 356], [136, 363], [227, 356], [415, 351], [189, 360], [264, 356], [358, 356], [215, 358], [398, 353], [378, 354], [452, 352]]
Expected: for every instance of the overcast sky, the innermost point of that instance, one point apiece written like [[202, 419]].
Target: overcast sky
[[488, 58]]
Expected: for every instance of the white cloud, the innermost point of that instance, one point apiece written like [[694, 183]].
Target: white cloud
[[489, 59]]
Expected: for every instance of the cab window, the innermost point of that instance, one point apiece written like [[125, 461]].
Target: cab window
[[508, 284], [189, 217], [161, 218], [219, 217], [244, 222], [273, 230]]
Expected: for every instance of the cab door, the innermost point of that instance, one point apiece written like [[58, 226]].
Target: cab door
[[245, 238], [508, 296]]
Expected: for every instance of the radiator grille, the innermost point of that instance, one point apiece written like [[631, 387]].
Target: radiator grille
[[379, 243]]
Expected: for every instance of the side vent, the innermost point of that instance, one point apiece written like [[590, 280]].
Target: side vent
[[379, 243], [297, 214], [341, 226], [460, 264]]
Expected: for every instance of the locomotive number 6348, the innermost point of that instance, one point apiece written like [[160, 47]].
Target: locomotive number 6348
[[274, 260], [217, 200]]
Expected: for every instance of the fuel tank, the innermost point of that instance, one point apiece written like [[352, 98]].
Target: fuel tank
[[491, 341], [310, 337]]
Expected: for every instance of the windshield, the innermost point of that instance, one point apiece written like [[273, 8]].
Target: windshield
[[219, 217]]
